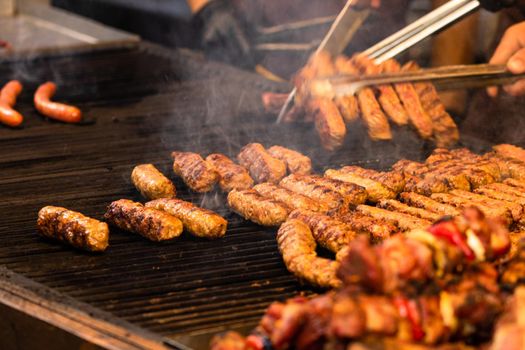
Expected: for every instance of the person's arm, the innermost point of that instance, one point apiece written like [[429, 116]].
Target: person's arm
[[511, 52]]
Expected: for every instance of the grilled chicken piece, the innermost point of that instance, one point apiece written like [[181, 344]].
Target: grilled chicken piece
[[348, 105], [515, 209], [289, 198], [423, 202], [151, 183], [510, 151], [198, 174], [419, 118], [73, 228], [460, 202], [445, 130], [387, 95], [403, 221], [261, 165], [376, 229], [254, 207], [393, 205], [376, 190], [296, 163], [153, 224], [297, 246], [328, 232], [231, 176], [199, 222], [329, 122]]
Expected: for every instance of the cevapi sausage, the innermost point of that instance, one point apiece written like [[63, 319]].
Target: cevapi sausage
[[199, 222], [198, 174], [8, 95], [254, 207], [261, 165], [296, 163], [54, 110], [232, 176], [153, 224], [151, 183], [73, 228]]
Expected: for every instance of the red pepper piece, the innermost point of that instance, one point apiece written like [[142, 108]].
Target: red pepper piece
[[447, 230], [408, 309]]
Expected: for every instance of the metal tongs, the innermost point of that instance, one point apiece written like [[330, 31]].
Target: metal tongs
[[425, 26], [447, 77]]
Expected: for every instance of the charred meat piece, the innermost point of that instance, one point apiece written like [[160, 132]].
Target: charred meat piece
[[297, 247], [296, 163], [387, 95], [518, 185], [73, 228], [393, 205], [328, 122], [153, 224], [510, 167], [289, 198], [373, 117], [305, 185], [348, 105], [328, 232], [254, 207], [394, 180], [199, 222], [504, 192], [403, 221], [419, 118], [352, 193], [460, 202], [510, 151], [261, 165], [231, 176], [444, 128], [376, 229], [376, 190], [516, 210], [510, 327], [423, 202], [151, 183], [198, 174]]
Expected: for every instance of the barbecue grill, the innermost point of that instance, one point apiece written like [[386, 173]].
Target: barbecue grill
[[141, 103]]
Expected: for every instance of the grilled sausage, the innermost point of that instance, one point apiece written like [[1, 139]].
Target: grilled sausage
[[197, 221], [8, 95], [328, 232], [151, 223], [510, 151], [296, 163], [348, 105], [423, 202], [231, 176], [304, 185], [289, 198], [73, 228], [376, 229], [297, 247], [376, 191], [353, 194], [404, 221], [252, 206], [197, 174], [261, 165], [393, 205], [328, 122], [54, 110], [515, 209], [373, 117], [151, 183]]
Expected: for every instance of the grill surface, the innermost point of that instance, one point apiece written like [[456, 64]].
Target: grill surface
[[140, 105]]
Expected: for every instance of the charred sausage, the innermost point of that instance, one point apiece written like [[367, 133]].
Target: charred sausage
[[197, 174], [151, 223], [254, 207], [151, 183], [232, 176], [296, 163], [199, 222], [261, 165], [54, 110], [73, 228], [289, 198]]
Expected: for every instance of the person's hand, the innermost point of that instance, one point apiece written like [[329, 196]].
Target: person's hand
[[221, 34], [511, 52]]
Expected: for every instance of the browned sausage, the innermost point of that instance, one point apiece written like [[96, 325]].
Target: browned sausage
[[232, 176], [55, 110], [198, 174], [328, 122], [8, 95], [261, 165], [73, 228], [153, 224], [151, 183], [254, 207], [296, 162]]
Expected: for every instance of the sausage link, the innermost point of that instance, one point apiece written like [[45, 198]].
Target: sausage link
[[296, 162], [199, 222], [232, 176], [197, 174], [151, 223], [261, 165], [289, 198], [55, 110], [73, 228], [151, 183], [8, 95], [252, 206]]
